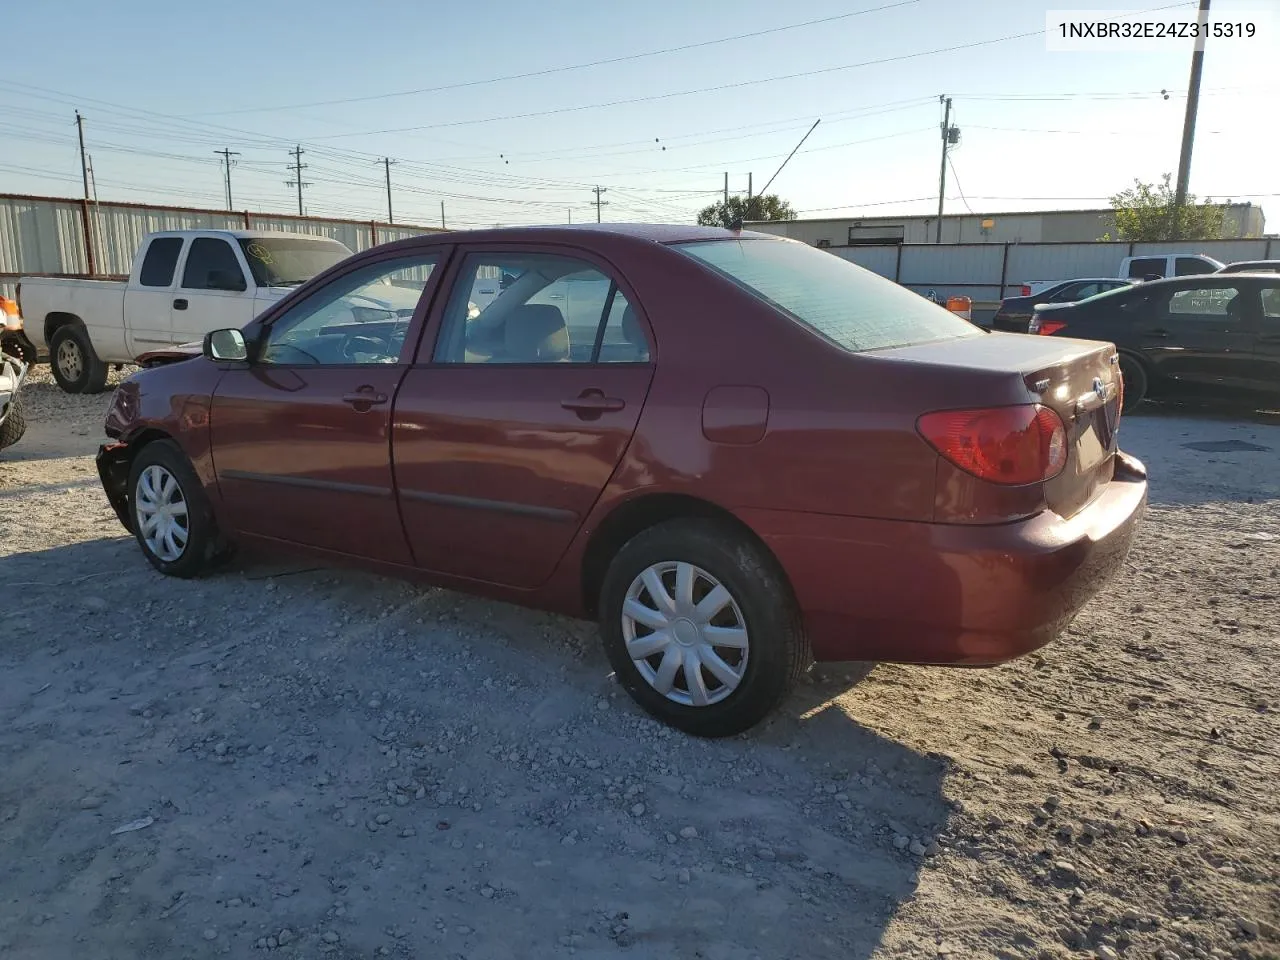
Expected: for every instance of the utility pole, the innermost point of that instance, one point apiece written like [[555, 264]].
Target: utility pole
[[84, 165], [442, 226], [386, 163], [297, 167], [571, 214], [726, 189], [750, 198], [950, 135], [600, 203], [227, 162], [1189, 120]]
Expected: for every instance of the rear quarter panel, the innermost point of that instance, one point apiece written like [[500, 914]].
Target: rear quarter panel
[[98, 303]]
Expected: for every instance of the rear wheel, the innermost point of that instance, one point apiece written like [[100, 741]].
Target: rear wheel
[[1134, 378], [701, 627], [75, 365], [172, 519]]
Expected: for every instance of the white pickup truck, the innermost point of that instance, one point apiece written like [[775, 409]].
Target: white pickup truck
[[184, 284], [1144, 268]]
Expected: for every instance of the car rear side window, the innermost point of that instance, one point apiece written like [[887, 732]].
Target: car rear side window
[[850, 306], [1205, 302], [1147, 267], [159, 263]]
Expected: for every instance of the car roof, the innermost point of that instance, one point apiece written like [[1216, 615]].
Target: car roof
[[656, 232], [238, 234]]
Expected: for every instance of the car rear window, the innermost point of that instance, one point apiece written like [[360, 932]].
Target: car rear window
[[853, 307]]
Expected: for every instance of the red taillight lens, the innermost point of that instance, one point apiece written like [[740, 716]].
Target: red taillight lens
[[1026, 290], [1007, 445], [1049, 327]]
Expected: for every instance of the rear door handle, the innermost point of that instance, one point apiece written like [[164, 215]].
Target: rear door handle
[[364, 399], [591, 403], [180, 304]]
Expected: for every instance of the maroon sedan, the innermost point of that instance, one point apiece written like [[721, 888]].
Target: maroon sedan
[[739, 453]]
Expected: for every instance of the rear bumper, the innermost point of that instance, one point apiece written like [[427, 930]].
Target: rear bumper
[[113, 471], [948, 593]]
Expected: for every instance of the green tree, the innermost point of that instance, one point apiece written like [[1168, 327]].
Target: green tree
[[741, 210], [1146, 212]]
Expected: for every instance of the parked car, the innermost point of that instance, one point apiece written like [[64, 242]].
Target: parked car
[[1220, 331], [1252, 266], [1014, 313], [755, 453], [13, 338], [184, 283], [1146, 268], [13, 422]]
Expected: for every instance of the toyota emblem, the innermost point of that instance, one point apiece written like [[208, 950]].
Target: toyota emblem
[[1099, 388]]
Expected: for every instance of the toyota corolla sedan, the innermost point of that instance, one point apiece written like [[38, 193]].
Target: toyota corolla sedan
[[737, 452]]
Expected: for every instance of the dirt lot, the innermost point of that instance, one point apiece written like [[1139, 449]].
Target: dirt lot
[[327, 764]]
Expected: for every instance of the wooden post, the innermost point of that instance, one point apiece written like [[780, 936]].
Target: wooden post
[[373, 233], [88, 238], [897, 266], [1004, 271], [246, 221]]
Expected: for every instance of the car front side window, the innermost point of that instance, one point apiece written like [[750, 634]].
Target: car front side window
[[359, 318]]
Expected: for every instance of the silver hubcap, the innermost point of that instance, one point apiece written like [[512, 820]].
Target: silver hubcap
[[162, 513], [685, 634], [70, 363]]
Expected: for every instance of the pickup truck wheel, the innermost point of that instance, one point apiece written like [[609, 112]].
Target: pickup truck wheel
[[701, 628], [75, 365], [14, 426], [172, 519]]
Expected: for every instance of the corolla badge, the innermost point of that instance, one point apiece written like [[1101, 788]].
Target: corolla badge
[[1099, 388]]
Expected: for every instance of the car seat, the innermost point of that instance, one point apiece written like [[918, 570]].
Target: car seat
[[535, 333]]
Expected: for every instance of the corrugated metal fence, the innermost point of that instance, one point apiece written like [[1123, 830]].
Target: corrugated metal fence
[[61, 237], [988, 272]]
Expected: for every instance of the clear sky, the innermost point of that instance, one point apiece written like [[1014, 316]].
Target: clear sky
[[164, 84]]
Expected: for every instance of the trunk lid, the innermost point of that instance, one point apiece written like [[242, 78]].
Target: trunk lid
[[1078, 379]]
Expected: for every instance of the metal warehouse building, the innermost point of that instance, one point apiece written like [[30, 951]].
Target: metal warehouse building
[[1243, 221]]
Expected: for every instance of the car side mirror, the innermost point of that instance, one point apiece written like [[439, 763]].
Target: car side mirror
[[225, 346]]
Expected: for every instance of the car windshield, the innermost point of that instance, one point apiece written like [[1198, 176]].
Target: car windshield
[[289, 261], [850, 306]]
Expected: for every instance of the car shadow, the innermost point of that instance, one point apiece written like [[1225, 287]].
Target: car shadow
[[592, 825]]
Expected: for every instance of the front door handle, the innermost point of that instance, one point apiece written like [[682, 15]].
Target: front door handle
[[180, 304], [364, 399], [591, 403]]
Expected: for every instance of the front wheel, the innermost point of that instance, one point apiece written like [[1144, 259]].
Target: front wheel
[[701, 627], [171, 516], [75, 365]]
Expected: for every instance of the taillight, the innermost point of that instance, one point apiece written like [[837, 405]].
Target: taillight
[[1026, 290], [1047, 328], [1006, 445]]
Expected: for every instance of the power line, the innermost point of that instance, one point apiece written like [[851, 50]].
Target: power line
[[564, 69]]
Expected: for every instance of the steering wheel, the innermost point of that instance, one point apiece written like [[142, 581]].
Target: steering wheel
[[272, 347]]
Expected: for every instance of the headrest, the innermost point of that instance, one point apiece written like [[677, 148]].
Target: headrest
[[535, 331]]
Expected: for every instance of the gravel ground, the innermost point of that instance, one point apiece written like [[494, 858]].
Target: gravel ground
[[315, 763]]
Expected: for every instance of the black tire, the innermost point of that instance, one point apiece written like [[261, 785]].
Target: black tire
[[778, 651], [204, 546], [75, 365], [14, 426], [20, 347], [1134, 378]]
